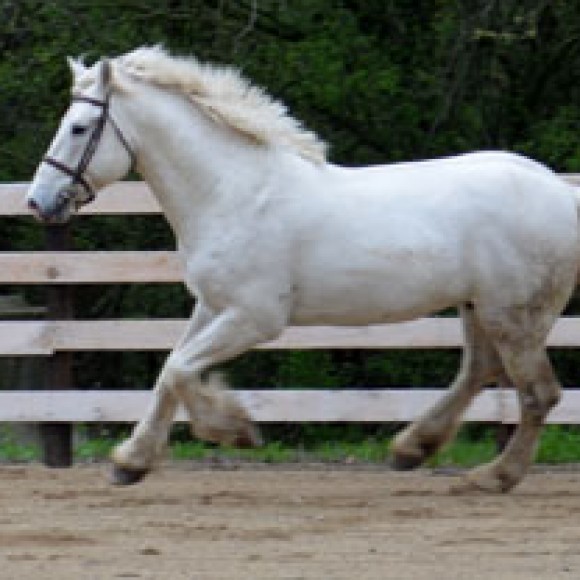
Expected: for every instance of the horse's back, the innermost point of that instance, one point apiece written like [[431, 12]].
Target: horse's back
[[467, 190]]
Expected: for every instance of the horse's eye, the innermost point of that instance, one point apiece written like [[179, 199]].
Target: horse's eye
[[78, 129]]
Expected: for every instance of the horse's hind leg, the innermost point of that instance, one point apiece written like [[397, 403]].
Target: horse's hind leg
[[520, 340], [480, 365]]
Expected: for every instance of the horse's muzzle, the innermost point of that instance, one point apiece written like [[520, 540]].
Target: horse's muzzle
[[58, 214]]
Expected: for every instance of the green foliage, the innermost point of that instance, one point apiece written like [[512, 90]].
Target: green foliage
[[333, 443], [466, 450], [13, 450], [559, 444], [94, 449]]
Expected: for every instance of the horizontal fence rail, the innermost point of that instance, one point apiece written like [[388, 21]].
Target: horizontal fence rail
[[385, 405], [124, 198], [48, 338], [44, 338], [90, 267]]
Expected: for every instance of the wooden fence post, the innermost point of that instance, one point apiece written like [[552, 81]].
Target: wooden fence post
[[56, 438]]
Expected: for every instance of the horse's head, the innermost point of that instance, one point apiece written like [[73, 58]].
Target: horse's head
[[88, 152]]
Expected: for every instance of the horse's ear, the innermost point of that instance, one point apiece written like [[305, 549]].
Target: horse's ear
[[77, 68]]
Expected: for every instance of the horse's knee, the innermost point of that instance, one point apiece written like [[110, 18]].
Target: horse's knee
[[180, 379]]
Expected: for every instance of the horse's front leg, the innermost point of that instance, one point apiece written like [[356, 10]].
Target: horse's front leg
[[214, 412], [136, 456]]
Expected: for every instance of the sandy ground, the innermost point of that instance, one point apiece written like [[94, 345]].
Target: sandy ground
[[255, 522]]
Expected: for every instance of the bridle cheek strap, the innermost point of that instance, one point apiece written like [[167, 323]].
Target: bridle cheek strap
[[77, 174]]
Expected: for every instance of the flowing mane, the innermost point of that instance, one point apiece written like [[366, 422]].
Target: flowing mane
[[225, 96]]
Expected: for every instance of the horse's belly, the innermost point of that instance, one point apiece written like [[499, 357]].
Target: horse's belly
[[358, 296], [355, 314]]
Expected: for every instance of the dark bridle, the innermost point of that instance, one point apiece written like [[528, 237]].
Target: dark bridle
[[78, 172]]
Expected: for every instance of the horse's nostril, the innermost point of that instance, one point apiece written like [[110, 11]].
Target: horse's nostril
[[32, 205]]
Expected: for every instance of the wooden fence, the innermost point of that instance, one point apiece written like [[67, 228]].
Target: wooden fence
[[59, 335]]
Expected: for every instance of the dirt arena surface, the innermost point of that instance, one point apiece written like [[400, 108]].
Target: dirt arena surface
[[257, 522]]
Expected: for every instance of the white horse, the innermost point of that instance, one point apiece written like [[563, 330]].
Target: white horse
[[271, 235]]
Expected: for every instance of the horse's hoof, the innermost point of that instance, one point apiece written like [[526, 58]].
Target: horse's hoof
[[402, 462], [485, 480], [127, 475]]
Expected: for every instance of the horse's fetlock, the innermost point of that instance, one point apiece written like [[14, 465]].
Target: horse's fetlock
[[554, 398]]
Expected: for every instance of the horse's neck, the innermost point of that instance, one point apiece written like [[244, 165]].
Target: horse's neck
[[194, 166]]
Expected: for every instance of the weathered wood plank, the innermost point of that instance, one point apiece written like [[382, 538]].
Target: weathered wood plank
[[89, 267], [24, 338], [125, 197], [161, 334], [295, 405], [273, 406], [41, 337]]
